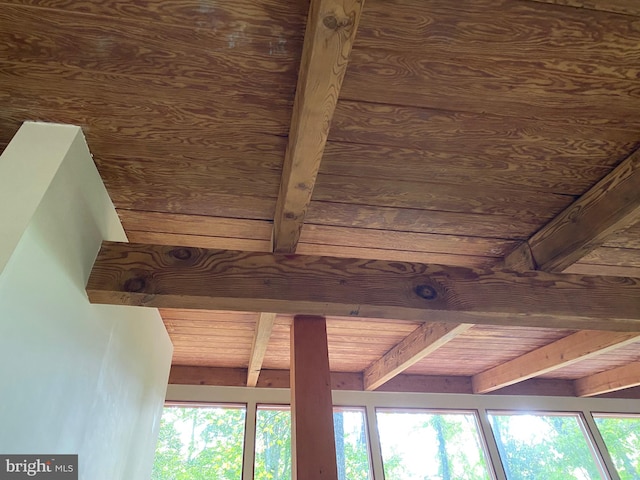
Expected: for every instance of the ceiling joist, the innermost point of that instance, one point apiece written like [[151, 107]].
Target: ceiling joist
[[197, 278], [261, 336], [331, 29], [608, 207], [566, 351], [626, 376], [424, 340]]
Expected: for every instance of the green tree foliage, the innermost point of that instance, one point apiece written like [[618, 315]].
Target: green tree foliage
[[552, 447], [425, 446], [273, 445], [622, 437], [207, 443], [200, 444]]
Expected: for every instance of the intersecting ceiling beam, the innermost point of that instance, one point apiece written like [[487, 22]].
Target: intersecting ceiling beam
[[261, 336], [331, 29], [198, 278], [425, 339], [610, 206], [626, 376], [566, 351]]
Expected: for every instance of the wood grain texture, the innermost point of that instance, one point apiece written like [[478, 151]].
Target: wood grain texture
[[264, 325], [313, 448], [524, 148], [454, 163], [421, 221], [625, 7], [624, 257], [145, 221], [128, 46], [441, 81], [438, 196], [73, 100], [440, 130], [393, 240], [483, 347], [610, 205], [330, 32], [556, 38], [615, 261], [619, 378], [607, 361], [241, 19], [514, 58], [395, 255], [608, 270], [199, 241], [626, 238], [571, 349], [426, 339], [181, 277]]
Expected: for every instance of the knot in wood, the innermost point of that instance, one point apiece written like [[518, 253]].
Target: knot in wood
[[330, 22], [135, 284], [333, 23], [181, 253], [427, 292]]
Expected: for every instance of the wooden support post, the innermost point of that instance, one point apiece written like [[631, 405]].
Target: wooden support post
[[313, 447]]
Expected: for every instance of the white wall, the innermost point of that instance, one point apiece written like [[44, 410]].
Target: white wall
[[74, 377]]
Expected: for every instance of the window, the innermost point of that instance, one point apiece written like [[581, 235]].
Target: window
[[431, 445], [412, 436], [550, 446], [621, 434], [200, 443], [273, 443]]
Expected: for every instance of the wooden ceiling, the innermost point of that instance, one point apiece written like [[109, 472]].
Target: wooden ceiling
[[480, 134]]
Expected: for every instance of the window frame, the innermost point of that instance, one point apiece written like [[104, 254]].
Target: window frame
[[251, 397]]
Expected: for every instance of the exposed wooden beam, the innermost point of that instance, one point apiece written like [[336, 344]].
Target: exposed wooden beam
[[196, 278], [610, 206], [425, 339], [261, 336], [236, 377], [313, 446], [566, 351], [626, 376], [331, 29]]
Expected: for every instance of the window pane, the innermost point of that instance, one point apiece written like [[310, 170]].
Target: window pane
[[621, 434], [273, 444], [352, 448], [200, 443], [418, 445], [553, 447]]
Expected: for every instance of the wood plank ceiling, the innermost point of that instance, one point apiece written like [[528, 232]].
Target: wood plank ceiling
[[480, 134]]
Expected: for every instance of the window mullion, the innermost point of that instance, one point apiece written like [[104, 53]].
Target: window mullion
[[492, 446], [374, 444], [599, 446], [248, 454]]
